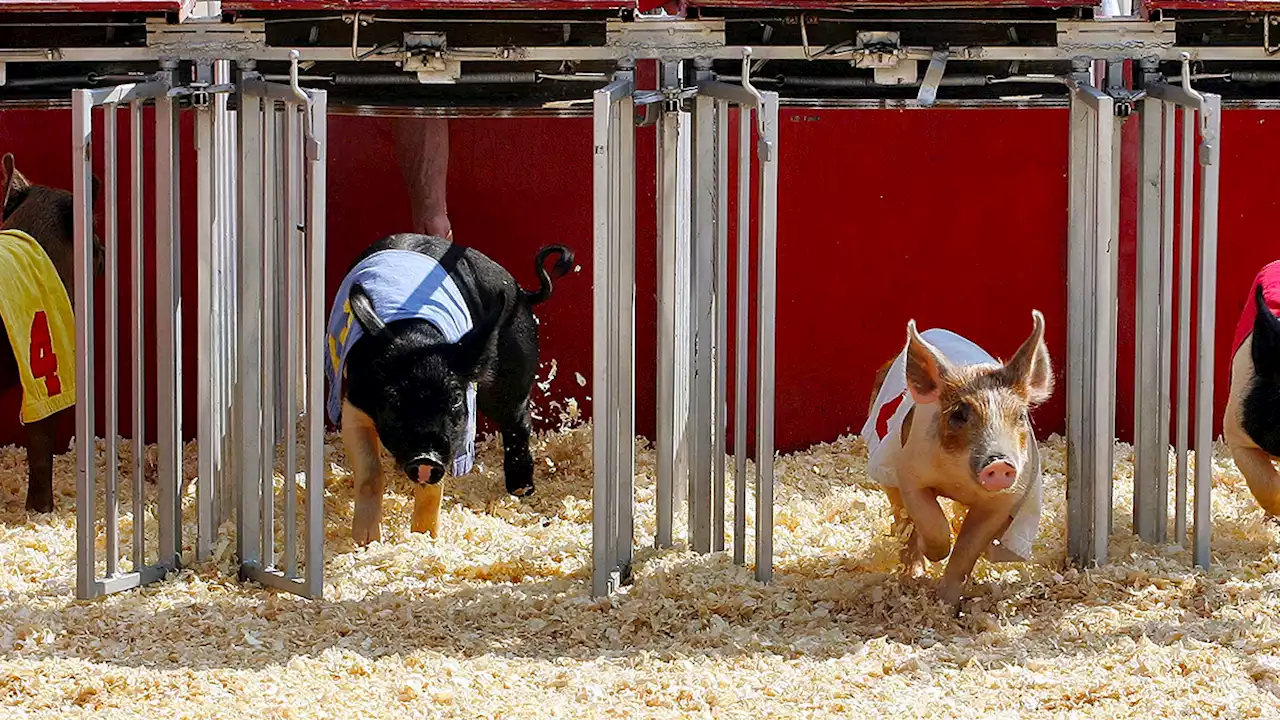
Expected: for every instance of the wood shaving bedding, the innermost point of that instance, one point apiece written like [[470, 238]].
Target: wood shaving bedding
[[494, 619]]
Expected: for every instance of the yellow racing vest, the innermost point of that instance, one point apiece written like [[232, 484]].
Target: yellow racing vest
[[42, 329]]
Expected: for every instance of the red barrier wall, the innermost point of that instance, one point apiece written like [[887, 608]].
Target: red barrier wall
[[957, 218]]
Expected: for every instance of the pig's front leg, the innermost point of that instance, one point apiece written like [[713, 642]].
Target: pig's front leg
[[426, 508], [1260, 473], [40, 440], [930, 522], [360, 440], [981, 526]]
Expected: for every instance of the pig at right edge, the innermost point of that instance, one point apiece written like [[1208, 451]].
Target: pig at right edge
[[961, 431], [1251, 423]]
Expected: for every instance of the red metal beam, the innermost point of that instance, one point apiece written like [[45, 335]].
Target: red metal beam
[[152, 6], [367, 5], [889, 4], [1263, 5]]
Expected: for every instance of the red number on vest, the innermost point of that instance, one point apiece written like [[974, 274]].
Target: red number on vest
[[44, 364]]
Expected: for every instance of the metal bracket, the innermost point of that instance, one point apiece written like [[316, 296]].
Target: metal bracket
[[877, 50], [356, 21], [764, 149], [928, 93], [1208, 138], [427, 54], [206, 40], [1115, 39], [311, 146], [663, 39]]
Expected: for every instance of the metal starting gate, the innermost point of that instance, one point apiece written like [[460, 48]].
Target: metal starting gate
[[693, 328], [260, 323], [1096, 118], [259, 290]]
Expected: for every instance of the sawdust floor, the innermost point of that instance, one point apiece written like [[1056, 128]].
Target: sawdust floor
[[494, 619]]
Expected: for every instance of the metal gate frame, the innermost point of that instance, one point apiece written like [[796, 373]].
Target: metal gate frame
[[693, 341], [245, 220], [160, 90], [1093, 293], [1200, 112], [1092, 254], [282, 225]]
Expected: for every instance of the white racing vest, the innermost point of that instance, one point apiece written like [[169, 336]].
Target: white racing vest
[[882, 451]]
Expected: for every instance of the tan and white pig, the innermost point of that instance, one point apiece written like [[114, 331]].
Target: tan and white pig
[[961, 431]]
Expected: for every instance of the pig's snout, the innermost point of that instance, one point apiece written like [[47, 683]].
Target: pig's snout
[[998, 473], [426, 469]]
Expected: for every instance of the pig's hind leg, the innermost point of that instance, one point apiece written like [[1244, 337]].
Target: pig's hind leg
[[912, 555], [503, 397], [40, 448], [360, 440]]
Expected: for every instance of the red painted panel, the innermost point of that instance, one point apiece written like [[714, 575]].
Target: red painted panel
[[889, 4], [366, 5], [157, 6], [1263, 5], [956, 218]]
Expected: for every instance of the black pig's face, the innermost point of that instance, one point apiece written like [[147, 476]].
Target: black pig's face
[[418, 403], [413, 384]]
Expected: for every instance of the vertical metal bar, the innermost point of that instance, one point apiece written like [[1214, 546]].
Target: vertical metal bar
[[1209, 153], [110, 116], [704, 242], [1148, 506], [742, 338], [206, 342], [82, 170], [625, 323], [1113, 302], [667, 142], [1168, 201], [137, 259], [293, 311], [1080, 527], [1104, 319], [1184, 318], [315, 238], [721, 406], [768, 293], [270, 293], [249, 412], [602, 376], [225, 286], [168, 330]]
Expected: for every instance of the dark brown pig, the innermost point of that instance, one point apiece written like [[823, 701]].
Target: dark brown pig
[[47, 216], [961, 431], [1251, 423]]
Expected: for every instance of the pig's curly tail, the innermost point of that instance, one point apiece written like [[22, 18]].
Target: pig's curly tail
[[563, 266]]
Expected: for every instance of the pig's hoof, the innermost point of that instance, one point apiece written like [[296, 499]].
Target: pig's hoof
[[40, 506], [364, 536], [950, 594]]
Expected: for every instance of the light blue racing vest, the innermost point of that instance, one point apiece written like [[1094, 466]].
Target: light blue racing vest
[[402, 284]]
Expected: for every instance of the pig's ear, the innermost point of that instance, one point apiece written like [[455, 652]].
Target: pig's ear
[[15, 184], [362, 308], [466, 355], [1266, 340], [926, 368], [1029, 370]]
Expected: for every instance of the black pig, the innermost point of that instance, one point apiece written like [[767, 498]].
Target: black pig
[[47, 215], [1251, 423], [406, 379]]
